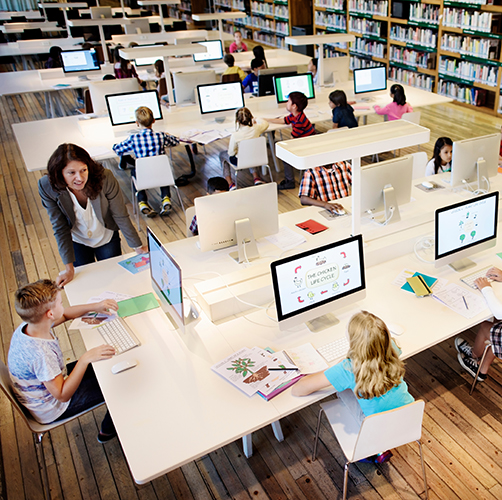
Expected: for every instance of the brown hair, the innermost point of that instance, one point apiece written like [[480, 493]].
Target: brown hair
[[66, 153], [32, 301], [144, 116], [243, 117], [159, 67], [299, 99]]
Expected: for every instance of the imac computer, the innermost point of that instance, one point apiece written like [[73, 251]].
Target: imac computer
[[98, 90], [475, 159], [185, 83], [80, 63], [463, 229], [101, 12], [336, 70], [284, 85], [266, 78], [385, 186], [167, 283], [370, 79], [219, 100], [237, 218], [309, 286], [214, 52]]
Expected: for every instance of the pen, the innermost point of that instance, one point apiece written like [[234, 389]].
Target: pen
[[281, 369], [465, 302]]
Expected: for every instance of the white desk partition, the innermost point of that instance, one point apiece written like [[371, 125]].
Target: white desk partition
[[146, 3], [28, 14], [20, 27], [64, 7], [167, 36], [220, 17]]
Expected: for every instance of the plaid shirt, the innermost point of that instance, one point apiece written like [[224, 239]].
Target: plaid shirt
[[146, 143], [327, 183], [193, 226]]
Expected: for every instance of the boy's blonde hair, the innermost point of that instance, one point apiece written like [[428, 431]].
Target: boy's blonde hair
[[375, 363], [32, 301], [144, 116]]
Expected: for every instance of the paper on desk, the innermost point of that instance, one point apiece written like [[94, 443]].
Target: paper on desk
[[307, 358], [276, 377], [96, 151], [136, 264], [453, 297], [209, 136], [286, 239], [188, 134], [136, 305]]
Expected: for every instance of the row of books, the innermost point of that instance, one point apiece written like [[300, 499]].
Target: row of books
[[262, 8], [462, 93], [467, 19], [423, 12], [330, 4], [365, 26], [331, 20], [411, 78], [358, 63], [332, 51], [378, 7], [369, 47], [420, 36], [466, 70], [478, 47], [268, 39], [411, 57]]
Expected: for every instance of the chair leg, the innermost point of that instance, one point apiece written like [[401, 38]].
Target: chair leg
[[488, 345], [345, 480], [45, 479], [314, 451], [179, 198], [270, 173], [423, 468], [236, 173]]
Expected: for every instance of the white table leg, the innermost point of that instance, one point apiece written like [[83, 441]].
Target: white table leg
[[272, 150], [247, 445], [276, 427]]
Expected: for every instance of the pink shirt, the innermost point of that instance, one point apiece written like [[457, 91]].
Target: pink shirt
[[233, 48], [393, 110]]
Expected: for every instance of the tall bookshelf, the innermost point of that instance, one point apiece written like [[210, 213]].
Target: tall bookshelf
[[449, 47]]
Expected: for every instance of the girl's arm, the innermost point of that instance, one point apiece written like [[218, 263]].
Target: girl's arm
[[309, 384], [493, 302], [382, 111]]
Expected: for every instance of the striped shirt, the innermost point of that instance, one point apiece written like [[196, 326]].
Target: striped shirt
[[146, 143], [327, 183], [301, 125]]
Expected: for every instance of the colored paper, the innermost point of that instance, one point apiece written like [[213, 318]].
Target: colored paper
[[137, 305]]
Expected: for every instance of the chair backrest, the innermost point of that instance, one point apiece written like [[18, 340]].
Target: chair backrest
[[234, 77], [252, 153], [413, 117], [154, 171], [419, 164], [189, 213], [389, 429]]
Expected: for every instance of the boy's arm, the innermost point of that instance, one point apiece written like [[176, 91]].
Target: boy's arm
[[107, 307], [305, 200], [280, 121], [170, 141], [123, 147]]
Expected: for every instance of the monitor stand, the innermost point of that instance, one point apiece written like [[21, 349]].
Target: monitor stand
[[482, 171], [83, 78], [322, 322], [391, 208], [462, 265], [246, 242]]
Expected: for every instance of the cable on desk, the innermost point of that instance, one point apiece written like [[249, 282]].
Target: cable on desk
[[381, 223], [476, 192], [426, 242]]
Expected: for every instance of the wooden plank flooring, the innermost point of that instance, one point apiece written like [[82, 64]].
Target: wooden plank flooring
[[462, 434]]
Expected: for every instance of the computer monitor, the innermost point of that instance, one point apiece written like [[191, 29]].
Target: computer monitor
[[385, 186], [167, 283], [309, 286], [122, 107], [101, 12], [214, 51], [463, 229], [226, 219], [284, 85], [98, 90], [79, 62], [185, 83], [266, 78], [146, 61], [370, 79], [219, 100], [336, 69], [465, 165]]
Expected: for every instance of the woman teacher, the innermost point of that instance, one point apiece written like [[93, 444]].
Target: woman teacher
[[86, 209]]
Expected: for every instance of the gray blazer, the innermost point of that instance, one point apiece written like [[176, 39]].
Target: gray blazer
[[109, 207]]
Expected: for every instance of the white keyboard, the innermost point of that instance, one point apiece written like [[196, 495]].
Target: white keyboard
[[335, 350], [118, 334], [471, 278]]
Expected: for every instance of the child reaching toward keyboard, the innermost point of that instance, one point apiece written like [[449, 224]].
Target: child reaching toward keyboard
[[43, 384], [398, 107], [469, 356]]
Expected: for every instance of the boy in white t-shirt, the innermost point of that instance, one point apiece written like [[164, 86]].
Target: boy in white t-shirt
[[43, 384]]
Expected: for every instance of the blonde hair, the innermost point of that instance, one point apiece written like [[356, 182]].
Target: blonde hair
[[243, 117], [375, 363], [144, 116], [34, 300]]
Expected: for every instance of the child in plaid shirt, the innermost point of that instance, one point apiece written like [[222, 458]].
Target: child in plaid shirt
[[148, 143]]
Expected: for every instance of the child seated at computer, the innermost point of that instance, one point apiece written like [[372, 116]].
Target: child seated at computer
[[372, 370], [229, 60], [250, 83], [398, 107], [441, 157], [247, 127], [43, 384], [147, 143], [123, 68], [312, 68], [469, 356], [320, 185], [237, 45], [301, 127], [215, 185], [343, 112]]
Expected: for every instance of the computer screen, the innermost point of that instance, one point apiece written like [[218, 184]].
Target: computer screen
[[79, 60], [307, 285], [122, 107], [465, 228], [266, 78], [284, 85], [220, 97], [214, 51], [370, 79]]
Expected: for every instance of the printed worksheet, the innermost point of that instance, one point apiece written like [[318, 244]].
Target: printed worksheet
[[464, 302]]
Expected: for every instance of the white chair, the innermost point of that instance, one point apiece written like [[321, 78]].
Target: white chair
[[38, 430], [152, 172], [252, 154], [413, 117], [189, 213], [419, 164], [375, 434]]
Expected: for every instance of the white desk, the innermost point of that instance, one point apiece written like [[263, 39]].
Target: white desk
[[159, 3], [20, 27], [6, 15], [64, 6], [220, 17]]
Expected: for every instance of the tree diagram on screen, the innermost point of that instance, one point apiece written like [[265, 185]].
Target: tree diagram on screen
[[468, 227]]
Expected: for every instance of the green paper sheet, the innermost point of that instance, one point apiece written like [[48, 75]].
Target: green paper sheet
[[136, 305]]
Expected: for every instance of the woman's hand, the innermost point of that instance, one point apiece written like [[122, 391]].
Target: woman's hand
[[99, 353], [108, 306], [494, 273], [482, 283], [65, 276], [141, 249]]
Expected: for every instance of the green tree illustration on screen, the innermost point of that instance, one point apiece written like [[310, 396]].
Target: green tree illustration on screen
[[462, 237], [473, 233], [242, 365]]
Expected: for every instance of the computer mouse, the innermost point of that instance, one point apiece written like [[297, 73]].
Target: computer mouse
[[395, 329], [428, 185], [124, 365], [340, 211]]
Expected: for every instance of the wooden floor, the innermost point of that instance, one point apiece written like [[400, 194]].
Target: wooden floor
[[462, 435]]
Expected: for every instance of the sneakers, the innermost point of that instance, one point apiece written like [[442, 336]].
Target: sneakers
[[381, 458], [166, 205], [104, 438], [232, 187], [470, 365], [146, 209], [257, 181], [463, 347], [285, 184]]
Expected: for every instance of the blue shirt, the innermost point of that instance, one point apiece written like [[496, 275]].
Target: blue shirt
[[146, 143], [344, 116], [250, 82]]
